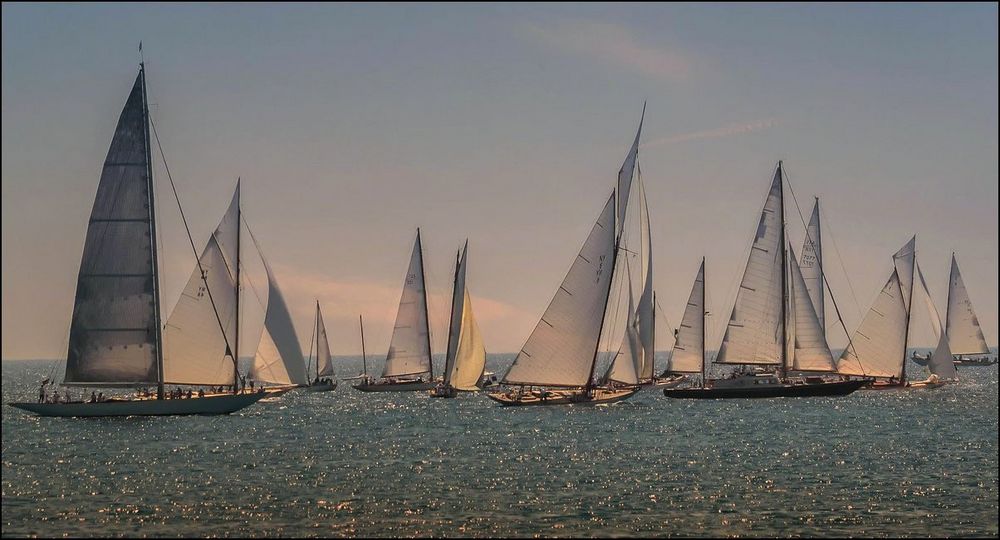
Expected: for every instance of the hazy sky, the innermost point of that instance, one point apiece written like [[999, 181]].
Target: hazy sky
[[351, 125]]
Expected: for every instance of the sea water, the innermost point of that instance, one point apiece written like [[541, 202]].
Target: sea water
[[345, 463]]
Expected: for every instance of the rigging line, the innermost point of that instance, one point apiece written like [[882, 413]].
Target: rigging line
[[201, 270], [850, 344], [850, 286]]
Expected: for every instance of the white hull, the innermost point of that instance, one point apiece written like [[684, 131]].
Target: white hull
[[218, 404]]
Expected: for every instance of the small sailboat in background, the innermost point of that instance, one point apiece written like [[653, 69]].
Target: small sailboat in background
[[965, 336], [116, 338], [408, 365], [325, 380], [688, 355], [760, 328], [465, 360], [878, 347]]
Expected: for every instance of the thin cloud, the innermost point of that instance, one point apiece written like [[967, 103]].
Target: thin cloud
[[611, 43], [716, 133]]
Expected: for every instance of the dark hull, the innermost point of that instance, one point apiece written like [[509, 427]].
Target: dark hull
[[565, 398], [208, 405], [395, 387], [320, 387], [838, 388], [976, 363]]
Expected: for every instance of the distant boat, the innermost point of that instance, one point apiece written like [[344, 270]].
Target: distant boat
[[408, 366], [116, 337], [758, 332], [325, 380], [688, 355], [878, 347], [965, 336], [465, 359]]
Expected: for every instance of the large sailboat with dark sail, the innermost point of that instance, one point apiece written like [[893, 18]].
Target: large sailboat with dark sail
[[773, 323], [408, 365], [116, 337]]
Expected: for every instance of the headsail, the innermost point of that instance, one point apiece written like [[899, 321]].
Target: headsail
[[626, 365], [812, 266], [645, 314], [811, 352], [561, 349], [409, 349], [689, 340], [323, 361], [941, 362], [279, 357], [755, 334], [964, 333], [466, 357], [626, 172], [194, 349], [114, 333]]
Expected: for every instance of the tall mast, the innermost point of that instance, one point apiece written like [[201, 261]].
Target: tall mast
[[447, 350], [652, 354], [784, 284], [909, 310], [604, 311], [364, 358], [951, 279], [704, 354], [152, 234], [316, 331], [236, 337], [427, 317]]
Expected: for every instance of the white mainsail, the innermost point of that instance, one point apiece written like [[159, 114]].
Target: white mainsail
[[195, 351], [689, 340], [625, 174], [466, 356], [113, 337], [878, 346], [754, 334], [278, 359], [562, 348], [625, 366], [941, 362], [810, 352], [409, 349], [812, 265], [962, 326], [323, 361], [645, 312]]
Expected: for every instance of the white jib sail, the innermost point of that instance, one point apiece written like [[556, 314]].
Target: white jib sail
[[560, 351], [964, 333], [878, 346], [279, 357], [409, 348], [812, 266], [811, 352], [941, 362], [754, 333], [466, 354], [645, 313], [626, 172], [625, 366], [194, 347], [323, 359], [689, 340], [905, 260]]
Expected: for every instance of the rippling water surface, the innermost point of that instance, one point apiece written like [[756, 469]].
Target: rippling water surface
[[344, 463]]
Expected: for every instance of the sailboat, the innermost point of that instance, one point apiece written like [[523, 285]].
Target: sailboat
[[760, 330], [408, 365], [965, 336], [688, 355], [465, 360], [878, 347], [325, 380], [116, 337]]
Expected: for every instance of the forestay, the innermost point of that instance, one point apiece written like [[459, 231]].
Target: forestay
[[689, 340], [113, 332], [941, 362], [811, 352], [962, 327], [754, 334], [195, 351], [812, 266], [279, 357], [409, 349], [561, 349]]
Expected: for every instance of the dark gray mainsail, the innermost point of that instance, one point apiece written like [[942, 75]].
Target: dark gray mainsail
[[114, 333]]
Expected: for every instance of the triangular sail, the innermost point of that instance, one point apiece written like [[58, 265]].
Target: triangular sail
[[562, 347], [689, 340], [941, 362], [194, 349], [113, 333], [754, 334], [626, 365], [625, 174], [279, 357], [468, 354], [409, 349], [812, 266], [962, 327], [811, 352], [323, 359], [645, 311]]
